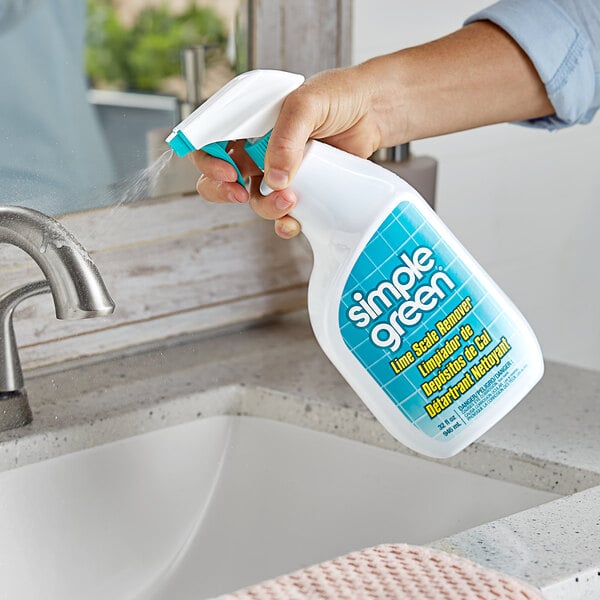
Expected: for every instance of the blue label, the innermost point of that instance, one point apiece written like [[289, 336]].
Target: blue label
[[425, 328]]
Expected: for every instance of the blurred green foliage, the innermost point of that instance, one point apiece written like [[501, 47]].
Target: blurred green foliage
[[141, 56]]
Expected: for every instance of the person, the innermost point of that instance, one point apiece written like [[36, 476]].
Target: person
[[536, 62], [53, 155]]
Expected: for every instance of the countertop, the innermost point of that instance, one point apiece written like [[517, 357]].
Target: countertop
[[549, 441]]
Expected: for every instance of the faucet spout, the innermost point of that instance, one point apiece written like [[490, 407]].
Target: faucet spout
[[76, 285], [72, 277]]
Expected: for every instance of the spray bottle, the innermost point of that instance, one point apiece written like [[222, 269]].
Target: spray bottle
[[422, 334]]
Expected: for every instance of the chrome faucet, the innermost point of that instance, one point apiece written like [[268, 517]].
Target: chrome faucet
[[73, 279]]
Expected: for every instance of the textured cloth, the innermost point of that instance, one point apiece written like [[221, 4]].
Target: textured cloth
[[392, 572], [562, 39]]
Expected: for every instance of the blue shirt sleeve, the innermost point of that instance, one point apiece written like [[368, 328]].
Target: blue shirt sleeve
[[562, 39]]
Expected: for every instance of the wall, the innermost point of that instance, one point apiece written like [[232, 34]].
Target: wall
[[526, 203], [173, 268]]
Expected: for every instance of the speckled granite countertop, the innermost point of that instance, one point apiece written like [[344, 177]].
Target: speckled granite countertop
[[550, 441]]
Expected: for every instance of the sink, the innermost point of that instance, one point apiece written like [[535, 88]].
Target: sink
[[206, 507]]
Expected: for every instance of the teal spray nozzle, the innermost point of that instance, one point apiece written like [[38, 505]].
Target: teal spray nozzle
[[246, 108]]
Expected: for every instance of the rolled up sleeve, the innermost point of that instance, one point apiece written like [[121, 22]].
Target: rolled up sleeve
[[557, 36]]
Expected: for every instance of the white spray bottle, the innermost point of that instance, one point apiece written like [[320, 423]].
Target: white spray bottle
[[422, 334]]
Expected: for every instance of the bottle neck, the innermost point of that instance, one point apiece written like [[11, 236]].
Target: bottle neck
[[340, 196]]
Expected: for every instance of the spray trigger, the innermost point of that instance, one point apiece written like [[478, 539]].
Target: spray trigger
[[219, 150], [243, 109], [255, 148]]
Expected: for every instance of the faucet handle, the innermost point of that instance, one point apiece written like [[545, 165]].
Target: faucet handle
[[11, 375]]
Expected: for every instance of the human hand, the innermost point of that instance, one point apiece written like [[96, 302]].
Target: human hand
[[475, 76], [333, 106], [218, 183]]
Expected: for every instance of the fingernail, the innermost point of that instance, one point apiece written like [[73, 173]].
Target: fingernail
[[276, 178], [265, 190], [287, 230], [283, 203], [240, 197]]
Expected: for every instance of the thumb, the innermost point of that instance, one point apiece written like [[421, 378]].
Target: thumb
[[297, 120]]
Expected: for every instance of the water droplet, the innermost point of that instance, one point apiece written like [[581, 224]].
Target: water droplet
[[44, 244]]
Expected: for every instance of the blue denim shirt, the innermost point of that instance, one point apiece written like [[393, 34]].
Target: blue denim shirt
[[562, 39]]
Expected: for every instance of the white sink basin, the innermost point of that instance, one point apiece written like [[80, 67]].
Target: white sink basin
[[203, 508]]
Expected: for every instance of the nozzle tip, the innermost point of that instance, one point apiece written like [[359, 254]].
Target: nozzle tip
[[180, 144]]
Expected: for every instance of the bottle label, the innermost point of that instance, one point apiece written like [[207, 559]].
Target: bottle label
[[424, 327]]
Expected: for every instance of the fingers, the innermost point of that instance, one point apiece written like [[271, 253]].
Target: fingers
[[221, 191], [218, 182], [334, 106], [300, 115], [212, 167], [274, 206], [287, 227]]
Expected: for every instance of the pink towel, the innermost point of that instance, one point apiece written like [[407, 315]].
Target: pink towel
[[392, 572]]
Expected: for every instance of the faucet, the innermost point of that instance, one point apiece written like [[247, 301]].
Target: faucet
[[70, 275]]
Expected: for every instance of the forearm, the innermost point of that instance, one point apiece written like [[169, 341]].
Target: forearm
[[473, 77]]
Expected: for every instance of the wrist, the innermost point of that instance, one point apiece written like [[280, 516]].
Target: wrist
[[386, 80]]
